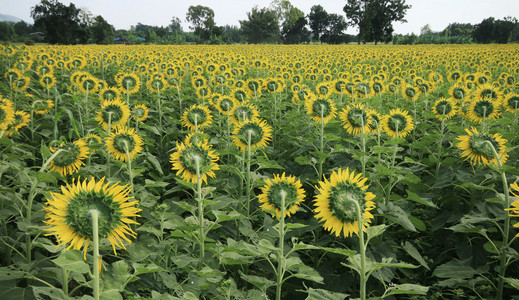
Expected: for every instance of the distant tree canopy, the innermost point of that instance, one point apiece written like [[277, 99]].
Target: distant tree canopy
[[280, 22], [60, 23], [374, 18], [261, 27]]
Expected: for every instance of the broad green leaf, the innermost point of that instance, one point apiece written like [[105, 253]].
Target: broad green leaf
[[308, 273], [454, 269], [295, 225], [8, 273], [406, 289], [222, 216], [345, 252], [303, 246], [396, 214], [513, 282], [425, 201], [72, 260], [320, 294], [154, 162], [374, 231], [51, 292], [260, 282], [148, 268], [151, 183], [303, 160], [413, 252], [233, 258]]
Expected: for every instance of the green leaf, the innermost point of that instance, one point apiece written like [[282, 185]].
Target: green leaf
[[261, 283], [425, 201], [154, 162], [308, 273], [72, 260], [413, 252], [149, 268], [396, 214], [233, 258], [51, 292], [320, 294], [513, 282], [295, 225], [8, 273], [222, 216], [455, 269], [303, 160], [406, 289], [303, 246], [374, 231], [345, 252]]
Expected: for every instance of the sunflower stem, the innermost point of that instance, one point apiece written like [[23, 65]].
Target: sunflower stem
[[130, 174], [363, 147], [506, 233], [321, 144], [362, 250], [94, 213], [249, 133], [200, 201], [65, 282], [393, 159], [281, 255], [55, 113]]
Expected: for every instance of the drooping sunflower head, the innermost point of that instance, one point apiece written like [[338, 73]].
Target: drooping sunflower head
[[335, 203], [156, 84], [93, 142], [477, 147], [514, 206], [226, 105], [7, 116], [320, 109], [258, 131], [245, 111], [21, 119], [70, 158], [410, 92], [109, 93], [140, 112], [374, 120], [68, 213], [488, 92], [47, 81], [184, 161], [458, 91], [42, 107], [445, 108], [481, 109], [114, 112], [197, 116], [511, 102], [273, 192], [196, 137], [355, 119], [398, 123], [129, 83], [123, 142]]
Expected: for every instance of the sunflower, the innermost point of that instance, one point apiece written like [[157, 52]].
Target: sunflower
[[42, 107], [122, 139], [156, 84], [458, 91], [89, 83], [93, 141], [20, 84], [410, 92], [183, 161], [197, 116], [243, 112], [70, 158], [260, 134], [363, 89], [7, 116], [109, 93], [334, 204], [47, 81], [196, 137], [315, 107], [270, 196], [478, 151], [115, 111], [454, 76], [514, 205], [397, 122], [355, 119], [374, 119], [445, 109], [68, 213], [482, 109], [323, 89], [225, 105], [21, 119], [140, 112], [129, 83], [488, 92], [511, 102], [253, 87]]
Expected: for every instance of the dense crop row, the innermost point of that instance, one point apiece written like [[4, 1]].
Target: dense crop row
[[241, 172]]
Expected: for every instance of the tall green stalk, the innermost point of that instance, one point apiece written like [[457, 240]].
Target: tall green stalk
[[200, 201], [130, 174], [321, 144], [248, 178], [94, 213], [281, 255], [362, 250]]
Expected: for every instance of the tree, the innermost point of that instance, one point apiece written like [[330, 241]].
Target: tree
[[175, 25], [374, 18], [101, 31], [319, 20], [60, 23], [484, 31], [334, 31], [261, 27], [7, 32], [292, 22], [202, 18], [503, 30]]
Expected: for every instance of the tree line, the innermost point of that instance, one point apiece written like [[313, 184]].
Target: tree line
[[281, 22]]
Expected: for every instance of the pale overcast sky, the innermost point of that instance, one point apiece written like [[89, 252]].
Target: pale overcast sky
[[124, 13]]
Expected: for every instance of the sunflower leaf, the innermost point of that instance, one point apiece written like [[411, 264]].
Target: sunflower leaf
[[320, 294], [72, 260], [406, 289]]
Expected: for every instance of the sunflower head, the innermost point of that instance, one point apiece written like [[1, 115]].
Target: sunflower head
[[355, 119], [320, 109], [197, 116], [477, 147], [511, 102], [335, 203], [184, 161], [21, 119], [114, 112], [481, 109], [444, 108], [398, 123], [244, 112], [258, 130], [70, 157], [68, 213], [225, 105], [140, 112], [7, 116], [124, 143], [514, 206], [275, 190]]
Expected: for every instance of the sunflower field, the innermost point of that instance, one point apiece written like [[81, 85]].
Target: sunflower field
[[259, 172]]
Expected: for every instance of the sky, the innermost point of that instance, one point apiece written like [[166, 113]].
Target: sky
[[125, 13]]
